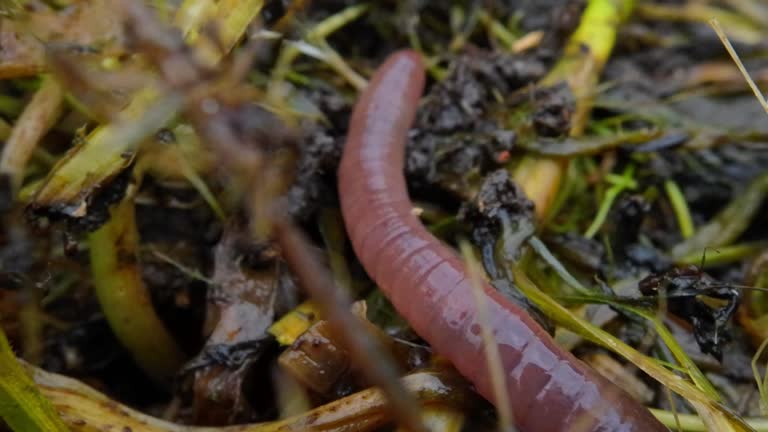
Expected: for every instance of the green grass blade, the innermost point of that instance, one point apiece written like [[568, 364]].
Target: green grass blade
[[22, 407]]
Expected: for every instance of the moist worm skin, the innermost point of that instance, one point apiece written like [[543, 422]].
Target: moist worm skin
[[550, 390]]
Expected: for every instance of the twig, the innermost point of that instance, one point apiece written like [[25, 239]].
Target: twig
[[736, 59], [335, 306], [492, 355]]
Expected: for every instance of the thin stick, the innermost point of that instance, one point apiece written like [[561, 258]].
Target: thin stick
[[492, 355], [735, 56], [335, 306]]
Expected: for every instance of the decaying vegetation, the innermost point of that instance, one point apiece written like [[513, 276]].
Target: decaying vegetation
[[173, 258]]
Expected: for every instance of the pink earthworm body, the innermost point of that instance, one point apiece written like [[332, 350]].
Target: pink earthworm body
[[549, 389]]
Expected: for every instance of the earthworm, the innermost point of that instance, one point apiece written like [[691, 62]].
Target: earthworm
[[427, 282]]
